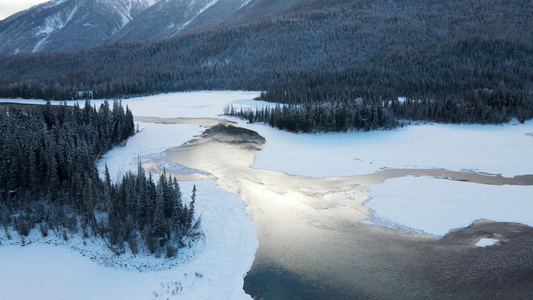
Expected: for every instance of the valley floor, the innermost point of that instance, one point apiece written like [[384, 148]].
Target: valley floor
[[310, 198]]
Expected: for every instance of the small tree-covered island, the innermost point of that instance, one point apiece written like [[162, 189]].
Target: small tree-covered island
[[49, 181]]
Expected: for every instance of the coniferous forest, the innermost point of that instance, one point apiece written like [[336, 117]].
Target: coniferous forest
[[482, 106], [49, 181], [454, 61]]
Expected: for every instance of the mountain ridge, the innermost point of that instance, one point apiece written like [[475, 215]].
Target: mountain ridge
[[63, 25], [66, 24]]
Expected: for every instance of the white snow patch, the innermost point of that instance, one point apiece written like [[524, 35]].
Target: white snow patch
[[49, 272], [485, 242], [244, 4], [436, 206], [188, 105], [53, 24], [40, 44]]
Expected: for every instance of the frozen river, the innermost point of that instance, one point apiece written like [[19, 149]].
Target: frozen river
[[311, 199], [313, 241]]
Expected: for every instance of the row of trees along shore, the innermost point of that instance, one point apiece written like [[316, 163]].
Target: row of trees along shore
[[49, 181], [481, 106]]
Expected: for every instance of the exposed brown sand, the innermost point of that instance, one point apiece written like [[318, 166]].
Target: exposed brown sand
[[207, 122], [311, 229]]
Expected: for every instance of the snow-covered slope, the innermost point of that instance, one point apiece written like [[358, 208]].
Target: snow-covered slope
[[67, 24], [168, 18], [78, 24]]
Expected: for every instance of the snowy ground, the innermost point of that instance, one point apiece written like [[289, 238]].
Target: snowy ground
[[46, 271], [428, 205], [231, 240]]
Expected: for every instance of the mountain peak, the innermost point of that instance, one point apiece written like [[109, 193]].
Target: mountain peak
[[67, 24]]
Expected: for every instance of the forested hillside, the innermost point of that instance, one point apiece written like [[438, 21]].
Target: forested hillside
[[49, 180], [319, 51]]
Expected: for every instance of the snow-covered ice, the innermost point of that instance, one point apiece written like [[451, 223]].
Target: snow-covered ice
[[151, 140], [188, 105], [494, 149], [436, 206]]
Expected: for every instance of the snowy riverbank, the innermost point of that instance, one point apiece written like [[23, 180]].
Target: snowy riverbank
[[213, 268]]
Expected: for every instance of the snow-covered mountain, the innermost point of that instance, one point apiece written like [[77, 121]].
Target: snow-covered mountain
[[67, 24], [61, 25], [170, 17]]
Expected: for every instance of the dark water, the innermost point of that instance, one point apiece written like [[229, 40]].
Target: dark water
[[275, 283], [447, 268]]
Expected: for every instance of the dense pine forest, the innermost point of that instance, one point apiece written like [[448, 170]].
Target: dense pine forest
[[49, 181], [480, 106]]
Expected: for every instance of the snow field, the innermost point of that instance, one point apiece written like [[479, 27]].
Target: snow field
[[494, 149], [436, 206], [187, 105]]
